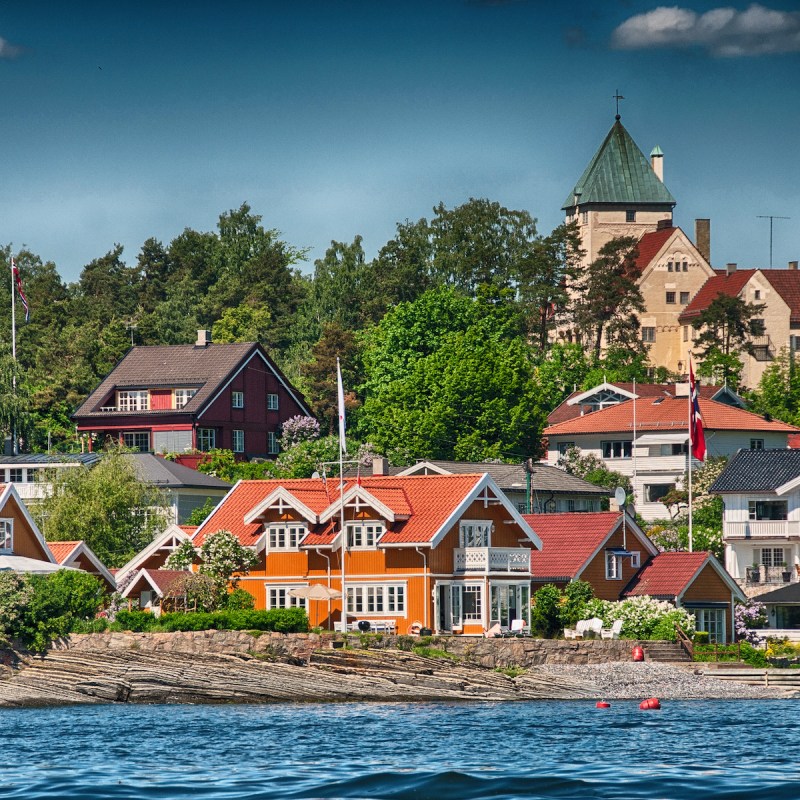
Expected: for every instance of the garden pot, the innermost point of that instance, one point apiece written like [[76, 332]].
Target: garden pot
[[425, 632], [787, 576]]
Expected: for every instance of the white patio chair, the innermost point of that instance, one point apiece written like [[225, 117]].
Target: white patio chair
[[613, 632]]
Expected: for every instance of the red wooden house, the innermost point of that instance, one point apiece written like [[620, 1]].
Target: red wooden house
[[179, 398]]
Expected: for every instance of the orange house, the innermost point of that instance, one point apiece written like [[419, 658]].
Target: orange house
[[78, 555], [445, 552], [22, 546]]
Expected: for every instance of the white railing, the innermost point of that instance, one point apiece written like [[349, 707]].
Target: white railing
[[762, 528], [34, 491], [492, 559]]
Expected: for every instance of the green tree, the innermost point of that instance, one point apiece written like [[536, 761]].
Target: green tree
[[107, 506], [224, 560], [778, 391], [607, 297], [726, 327], [339, 281], [592, 469]]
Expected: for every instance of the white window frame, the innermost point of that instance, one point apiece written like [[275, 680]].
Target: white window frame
[[276, 595], [364, 534], [613, 566], [376, 599], [756, 444], [6, 535], [284, 536], [616, 444], [133, 436], [753, 509], [273, 401], [15, 474], [237, 441], [636, 559], [273, 445], [133, 400], [475, 533], [182, 396], [206, 436], [772, 556], [237, 399]]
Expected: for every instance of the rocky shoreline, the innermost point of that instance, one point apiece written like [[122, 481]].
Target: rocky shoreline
[[234, 667]]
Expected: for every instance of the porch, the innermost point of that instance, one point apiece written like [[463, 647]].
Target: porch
[[485, 560]]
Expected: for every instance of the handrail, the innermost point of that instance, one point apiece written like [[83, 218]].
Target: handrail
[[685, 641]]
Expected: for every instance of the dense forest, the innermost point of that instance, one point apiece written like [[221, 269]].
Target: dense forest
[[444, 337]]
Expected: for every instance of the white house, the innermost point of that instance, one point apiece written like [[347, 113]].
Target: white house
[[646, 439]]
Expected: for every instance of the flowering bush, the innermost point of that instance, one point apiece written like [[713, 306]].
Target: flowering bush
[[747, 616], [298, 429], [642, 617]]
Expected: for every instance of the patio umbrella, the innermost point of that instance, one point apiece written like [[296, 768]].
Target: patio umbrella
[[316, 591]]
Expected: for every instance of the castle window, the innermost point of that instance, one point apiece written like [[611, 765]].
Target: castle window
[[684, 298], [669, 266], [630, 216], [648, 334], [670, 297]]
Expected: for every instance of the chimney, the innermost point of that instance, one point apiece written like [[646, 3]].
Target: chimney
[[662, 224], [730, 269], [793, 265], [379, 466], [203, 339], [702, 237], [657, 162]]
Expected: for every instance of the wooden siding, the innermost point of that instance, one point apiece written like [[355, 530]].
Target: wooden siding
[[708, 585], [595, 572], [25, 543], [160, 399]]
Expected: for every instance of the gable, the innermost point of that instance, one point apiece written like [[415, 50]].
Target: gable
[[672, 245], [27, 538]]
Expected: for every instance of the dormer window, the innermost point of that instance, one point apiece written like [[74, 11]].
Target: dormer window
[[136, 400], [285, 537], [474, 533], [363, 535], [183, 396], [6, 535]]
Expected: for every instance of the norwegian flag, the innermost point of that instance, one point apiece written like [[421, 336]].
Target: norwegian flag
[[20, 292], [696, 420]]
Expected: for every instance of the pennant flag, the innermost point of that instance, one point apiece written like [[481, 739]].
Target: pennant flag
[[20, 292], [696, 420], [340, 393]]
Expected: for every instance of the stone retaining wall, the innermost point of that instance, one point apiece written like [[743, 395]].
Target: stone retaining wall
[[491, 653]]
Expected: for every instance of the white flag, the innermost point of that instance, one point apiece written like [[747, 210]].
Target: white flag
[[340, 388]]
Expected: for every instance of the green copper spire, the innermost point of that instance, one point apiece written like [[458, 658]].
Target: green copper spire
[[619, 173]]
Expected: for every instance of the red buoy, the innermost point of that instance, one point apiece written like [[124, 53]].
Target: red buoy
[[652, 703], [602, 704], [638, 653]]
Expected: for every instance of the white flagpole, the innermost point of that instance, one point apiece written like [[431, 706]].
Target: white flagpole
[[633, 445], [13, 353], [342, 449], [689, 454]]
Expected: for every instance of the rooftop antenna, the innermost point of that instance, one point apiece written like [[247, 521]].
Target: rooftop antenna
[[618, 97], [770, 217]]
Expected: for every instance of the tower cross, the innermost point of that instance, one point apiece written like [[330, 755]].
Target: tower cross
[[618, 97]]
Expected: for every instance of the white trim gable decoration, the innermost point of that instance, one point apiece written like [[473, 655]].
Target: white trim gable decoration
[[281, 500], [357, 497], [632, 528], [11, 493], [605, 386], [728, 580], [171, 533]]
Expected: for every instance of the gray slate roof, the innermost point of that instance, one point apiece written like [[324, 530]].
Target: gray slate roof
[[788, 594], [169, 475], [176, 366], [619, 172], [758, 471], [50, 459]]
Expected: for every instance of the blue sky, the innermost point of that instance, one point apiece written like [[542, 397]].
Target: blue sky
[[334, 118]]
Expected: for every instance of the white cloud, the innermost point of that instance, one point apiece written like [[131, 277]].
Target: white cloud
[[721, 31], [8, 50]]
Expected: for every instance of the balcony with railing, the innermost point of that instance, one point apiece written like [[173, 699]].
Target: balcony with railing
[[492, 559], [763, 529], [770, 576], [763, 349]]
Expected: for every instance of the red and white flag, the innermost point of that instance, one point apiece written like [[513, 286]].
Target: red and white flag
[[696, 420], [20, 292]]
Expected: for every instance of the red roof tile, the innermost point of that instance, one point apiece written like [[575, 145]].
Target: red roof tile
[[650, 244], [786, 283], [189, 529], [667, 415], [164, 578], [666, 575], [721, 283], [62, 550], [427, 501], [568, 540]]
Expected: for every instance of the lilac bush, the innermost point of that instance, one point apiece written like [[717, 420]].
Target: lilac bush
[[299, 429], [748, 616]]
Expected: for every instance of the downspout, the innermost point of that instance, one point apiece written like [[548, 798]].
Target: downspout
[[425, 584], [328, 559]]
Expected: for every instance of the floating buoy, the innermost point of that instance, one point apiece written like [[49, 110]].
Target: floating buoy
[[602, 704], [651, 703], [638, 653]]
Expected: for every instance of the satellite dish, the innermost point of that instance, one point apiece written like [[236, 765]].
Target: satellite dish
[[315, 474], [619, 496]]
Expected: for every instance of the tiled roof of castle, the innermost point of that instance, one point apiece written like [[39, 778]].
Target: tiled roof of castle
[[721, 283], [668, 415], [650, 244], [619, 173], [758, 471], [427, 501], [666, 575], [786, 283], [568, 540]]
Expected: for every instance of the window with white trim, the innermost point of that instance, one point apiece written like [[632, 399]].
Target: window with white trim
[[768, 509], [756, 444], [773, 556], [272, 402], [363, 535], [206, 439], [137, 440], [15, 475], [471, 603], [183, 396], [279, 597], [237, 399], [636, 559], [273, 445], [613, 566], [474, 533], [136, 400], [376, 598], [648, 334], [238, 441], [6, 534], [617, 449], [285, 537]]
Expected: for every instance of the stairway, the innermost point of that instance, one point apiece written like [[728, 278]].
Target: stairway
[[668, 652]]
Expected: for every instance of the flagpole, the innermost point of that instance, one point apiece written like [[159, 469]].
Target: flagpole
[[689, 453], [633, 445], [342, 446], [13, 354]]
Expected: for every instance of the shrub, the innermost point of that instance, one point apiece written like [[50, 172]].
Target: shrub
[[747, 617], [97, 625], [546, 610], [240, 600], [576, 595], [701, 637], [135, 621]]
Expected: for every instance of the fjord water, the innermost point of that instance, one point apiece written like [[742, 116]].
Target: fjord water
[[689, 749]]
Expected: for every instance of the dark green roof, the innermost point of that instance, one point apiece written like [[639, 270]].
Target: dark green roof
[[619, 173]]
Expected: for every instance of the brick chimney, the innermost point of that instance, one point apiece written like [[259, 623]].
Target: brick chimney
[[203, 339], [730, 269], [793, 265], [702, 237]]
